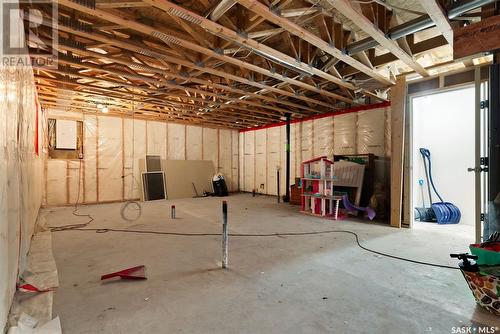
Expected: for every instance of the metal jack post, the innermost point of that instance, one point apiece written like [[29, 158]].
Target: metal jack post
[[224, 235]]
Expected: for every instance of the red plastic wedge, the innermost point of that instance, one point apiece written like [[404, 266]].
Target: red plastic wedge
[[138, 272]]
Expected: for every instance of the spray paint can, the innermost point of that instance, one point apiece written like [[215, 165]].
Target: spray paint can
[[172, 212]]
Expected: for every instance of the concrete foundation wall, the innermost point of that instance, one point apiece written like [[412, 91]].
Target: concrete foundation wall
[[113, 147], [262, 151]]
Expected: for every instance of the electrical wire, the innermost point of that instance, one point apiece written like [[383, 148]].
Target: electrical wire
[[75, 210], [277, 234]]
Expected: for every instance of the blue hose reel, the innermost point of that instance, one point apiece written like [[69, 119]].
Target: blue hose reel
[[445, 212]]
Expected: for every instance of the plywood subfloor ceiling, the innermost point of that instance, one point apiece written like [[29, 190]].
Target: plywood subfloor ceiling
[[235, 63]]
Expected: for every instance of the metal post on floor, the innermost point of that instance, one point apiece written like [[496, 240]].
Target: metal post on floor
[[172, 212], [224, 235]]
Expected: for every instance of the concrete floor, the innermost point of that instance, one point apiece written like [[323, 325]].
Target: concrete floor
[[295, 284]]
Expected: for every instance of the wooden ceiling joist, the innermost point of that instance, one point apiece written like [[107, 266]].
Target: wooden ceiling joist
[[437, 14], [259, 9], [170, 39], [360, 20]]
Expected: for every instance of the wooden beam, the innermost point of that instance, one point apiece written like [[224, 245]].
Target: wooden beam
[[345, 7], [477, 37], [398, 105], [437, 14], [142, 28], [222, 7], [260, 49], [120, 4], [306, 35]]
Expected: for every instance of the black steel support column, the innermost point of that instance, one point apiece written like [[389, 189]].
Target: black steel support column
[[286, 199]]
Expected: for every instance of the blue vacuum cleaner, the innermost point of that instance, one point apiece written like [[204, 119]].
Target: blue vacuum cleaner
[[444, 212]]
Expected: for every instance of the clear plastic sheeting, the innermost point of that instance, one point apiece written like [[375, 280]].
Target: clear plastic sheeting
[[357, 132], [235, 162], [371, 131], [344, 134], [157, 139], [260, 160], [110, 160], [113, 148], [194, 142], [225, 159], [273, 159], [176, 141], [210, 145], [306, 144], [249, 161], [387, 132], [323, 137], [21, 175]]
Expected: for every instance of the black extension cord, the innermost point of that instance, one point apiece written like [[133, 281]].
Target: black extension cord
[[105, 230]]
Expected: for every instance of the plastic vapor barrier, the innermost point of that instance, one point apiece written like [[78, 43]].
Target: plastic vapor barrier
[[357, 132], [323, 137], [176, 141], [371, 132], [113, 148], [273, 159], [344, 134], [194, 142]]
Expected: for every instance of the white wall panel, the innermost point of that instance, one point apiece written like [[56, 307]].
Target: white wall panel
[[194, 140], [323, 137], [344, 134], [110, 158], [371, 132], [210, 146], [176, 141], [157, 139]]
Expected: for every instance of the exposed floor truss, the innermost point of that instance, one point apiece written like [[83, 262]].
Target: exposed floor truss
[[234, 63]]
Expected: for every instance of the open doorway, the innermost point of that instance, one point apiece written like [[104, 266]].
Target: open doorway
[[443, 123]]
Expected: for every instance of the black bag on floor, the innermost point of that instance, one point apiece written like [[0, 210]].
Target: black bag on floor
[[220, 187]]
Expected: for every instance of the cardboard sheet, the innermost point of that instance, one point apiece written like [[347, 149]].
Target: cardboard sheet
[[181, 174]]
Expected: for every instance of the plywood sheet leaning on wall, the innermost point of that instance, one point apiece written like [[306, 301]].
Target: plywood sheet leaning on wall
[[181, 174], [344, 134]]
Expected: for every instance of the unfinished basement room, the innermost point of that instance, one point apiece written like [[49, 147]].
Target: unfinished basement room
[[250, 166]]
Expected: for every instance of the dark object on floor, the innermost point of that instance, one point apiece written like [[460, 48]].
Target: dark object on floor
[[220, 187], [294, 195], [138, 272], [445, 212]]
